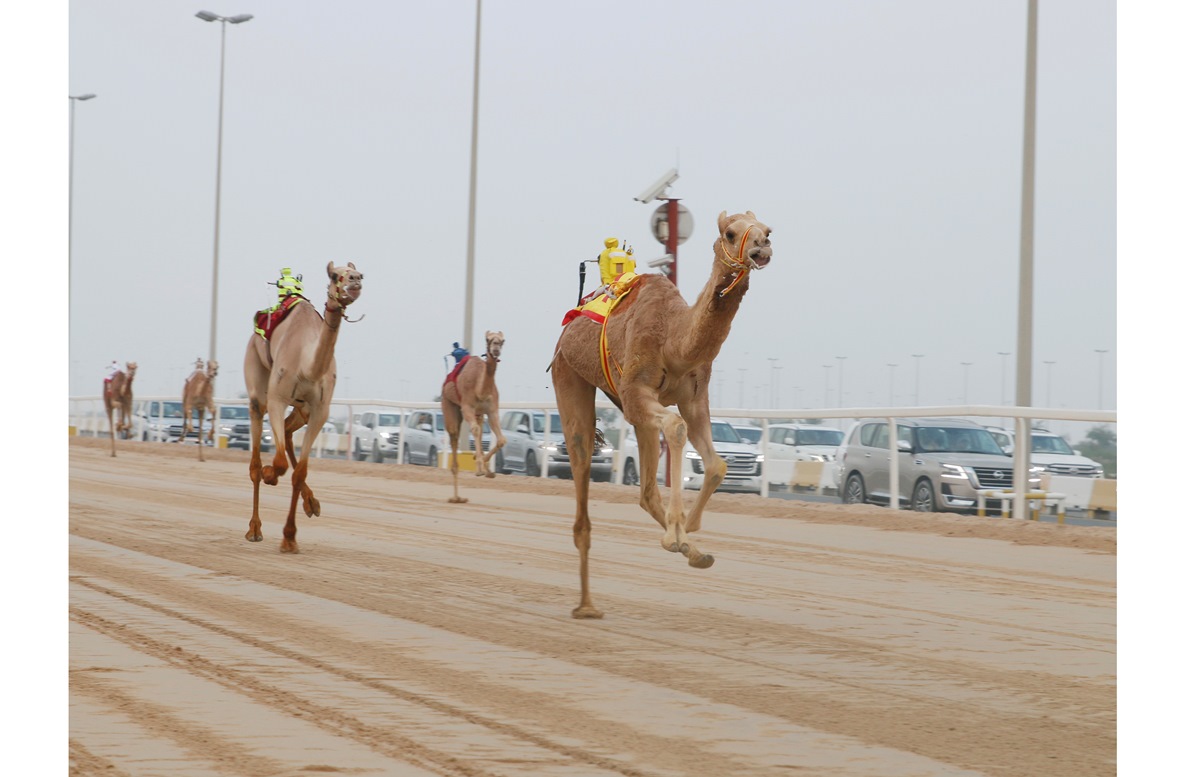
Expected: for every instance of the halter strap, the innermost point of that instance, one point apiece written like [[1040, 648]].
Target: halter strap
[[741, 263]]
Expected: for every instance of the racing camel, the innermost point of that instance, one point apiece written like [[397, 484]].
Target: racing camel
[[118, 395], [198, 396], [295, 368], [654, 351], [470, 393]]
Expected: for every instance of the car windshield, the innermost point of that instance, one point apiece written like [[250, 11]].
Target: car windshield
[[166, 409], [818, 437], [723, 432], [539, 423], [956, 440], [235, 413], [1048, 443], [389, 419], [750, 434]]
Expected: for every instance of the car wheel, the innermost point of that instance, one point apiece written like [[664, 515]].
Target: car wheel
[[358, 454], [499, 465], [405, 457], [631, 473], [923, 499], [854, 493], [376, 454], [433, 457], [531, 466]]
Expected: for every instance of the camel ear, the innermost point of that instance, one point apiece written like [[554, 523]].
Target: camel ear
[[721, 221], [329, 270], [750, 213], [351, 265]]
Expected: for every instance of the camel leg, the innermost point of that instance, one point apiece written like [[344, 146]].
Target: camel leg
[[112, 432], [288, 544], [295, 420], [474, 425], [452, 416], [200, 431], [649, 417], [279, 463], [497, 443], [577, 407], [315, 422], [254, 533]]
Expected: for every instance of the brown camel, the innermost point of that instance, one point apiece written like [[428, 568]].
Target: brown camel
[[118, 395], [295, 369], [198, 395], [660, 353], [472, 395]]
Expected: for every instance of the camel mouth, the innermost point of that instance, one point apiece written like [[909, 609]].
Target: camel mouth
[[763, 262]]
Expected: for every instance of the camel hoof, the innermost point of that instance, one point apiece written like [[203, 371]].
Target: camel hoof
[[253, 536], [312, 507], [586, 612], [490, 475], [701, 562], [671, 548], [456, 500], [289, 546], [685, 549], [268, 475]]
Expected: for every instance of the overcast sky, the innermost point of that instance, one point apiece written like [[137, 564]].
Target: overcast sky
[[880, 140]]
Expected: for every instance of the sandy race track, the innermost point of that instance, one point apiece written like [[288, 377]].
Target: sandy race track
[[415, 637]]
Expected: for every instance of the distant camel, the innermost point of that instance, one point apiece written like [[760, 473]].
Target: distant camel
[[295, 369], [470, 392], [198, 395], [118, 395], [654, 351]]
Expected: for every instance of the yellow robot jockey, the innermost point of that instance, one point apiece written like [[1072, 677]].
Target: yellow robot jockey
[[288, 285], [613, 262]]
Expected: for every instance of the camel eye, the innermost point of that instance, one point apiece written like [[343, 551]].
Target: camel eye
[[729, 235]]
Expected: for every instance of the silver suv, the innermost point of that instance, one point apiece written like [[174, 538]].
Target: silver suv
[[943, 464], [527, 445]]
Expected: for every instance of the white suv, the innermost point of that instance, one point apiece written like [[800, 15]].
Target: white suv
[[377, 435], [425, 437], [1051, 452], [744, 462], [153, 419]]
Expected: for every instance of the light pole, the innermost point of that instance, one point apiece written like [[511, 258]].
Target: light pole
[[469, 305], [1049, 366], [71, 192], [209, 16], [1003, 364], [966, 374], [827, 367], [892, 384], [771, 399], [1100, 378], [742, 387], [841, 364], [917, 385]]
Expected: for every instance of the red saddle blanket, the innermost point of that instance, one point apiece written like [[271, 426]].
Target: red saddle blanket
[[265, 321], [453, 376]]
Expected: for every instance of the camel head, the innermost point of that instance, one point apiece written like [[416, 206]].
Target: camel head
[[130, 369], [495, 341], [211, 372], [745, 241], [345, 284]]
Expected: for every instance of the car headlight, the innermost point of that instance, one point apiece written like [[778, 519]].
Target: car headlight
[[606, 450], [548, 446], [691, 455], [383, 435], [954, 471], [760, 458]]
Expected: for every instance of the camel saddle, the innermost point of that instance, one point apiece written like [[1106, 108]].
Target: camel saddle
[[458, 368], [265, 321], [597, 309]]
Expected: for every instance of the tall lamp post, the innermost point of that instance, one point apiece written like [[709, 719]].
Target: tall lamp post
[[892, 384], [209, 16], [1003, 365], [71, 192], [1100, 379], [966, 376], [841, 364], [1049, 368]]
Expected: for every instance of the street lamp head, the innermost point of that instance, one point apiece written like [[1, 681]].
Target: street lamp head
[[242, 17], [82, 96], [207, 16]]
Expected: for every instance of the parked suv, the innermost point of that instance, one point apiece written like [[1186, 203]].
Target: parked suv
[[1052, 452], [744, 463], [943, 464], [425, 437], [377, 435], [239, 435], [153, 419], [803, 442], [526, 446]]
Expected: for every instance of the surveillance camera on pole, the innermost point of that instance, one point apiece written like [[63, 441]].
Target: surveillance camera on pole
[[658, 188], [665, 223]]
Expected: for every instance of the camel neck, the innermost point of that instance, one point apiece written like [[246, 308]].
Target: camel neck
[[710, 319], [323, 359]]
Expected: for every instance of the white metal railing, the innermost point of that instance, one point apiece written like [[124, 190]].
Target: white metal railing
[[1022, 418]]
